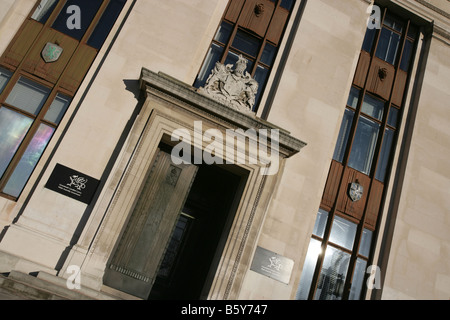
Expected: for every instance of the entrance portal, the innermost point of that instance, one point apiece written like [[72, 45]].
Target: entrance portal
[[173, 241], [193, 252]]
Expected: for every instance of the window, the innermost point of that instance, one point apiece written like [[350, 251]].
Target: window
[[339, 250], [27, 122], [256, 38], [33, 105], [331, 265]]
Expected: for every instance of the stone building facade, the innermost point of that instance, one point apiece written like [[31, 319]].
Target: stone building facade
[[331, 183]]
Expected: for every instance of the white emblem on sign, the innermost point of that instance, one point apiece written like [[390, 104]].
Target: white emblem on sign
[[77, 182], [51, 52], [356, 191]]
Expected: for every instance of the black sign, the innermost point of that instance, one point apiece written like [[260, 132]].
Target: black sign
[[72, 183]]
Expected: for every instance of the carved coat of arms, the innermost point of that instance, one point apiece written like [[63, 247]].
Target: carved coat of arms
[[356, 191], [235, 88], [51, 52]]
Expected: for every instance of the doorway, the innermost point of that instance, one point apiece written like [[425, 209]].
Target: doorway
[[191, 257], [172, 243]]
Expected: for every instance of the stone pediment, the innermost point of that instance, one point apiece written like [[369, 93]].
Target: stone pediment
[[174, 90]]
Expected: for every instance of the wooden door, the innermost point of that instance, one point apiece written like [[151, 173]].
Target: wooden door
[[135, 262]]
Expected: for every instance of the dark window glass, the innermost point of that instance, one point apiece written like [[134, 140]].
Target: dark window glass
[[393, 116], [105, 23], [268, 54], [353, 98], [384, 155], [406, 56], [373, 107], [246, 43], [224, 32], [344, 133], [393, 23], [261, 75], [368, 40], [82, 11], [388, 46], [5, 75], [28, 96], [214, 54], [364, 144], [287, 4]]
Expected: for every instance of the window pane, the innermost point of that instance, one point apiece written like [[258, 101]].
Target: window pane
[[82, 11], [393, 116], [287, 4], [28, 161], [313, 253], [344, 133], [406, 57], [13, 128], [321, 222], [358, 279], [333, 274], [384, 155], [57, 108], [5, 75], [105, 23], [224, 32], [261, 75], [28, 96], [364, 145], [393, 23], [268, 54], [214, 55], [388, 46], [368, 39], [343, 232], [373, 107], [43, 10], [366, 240], [412, 31], [353, 98], [246, 43]]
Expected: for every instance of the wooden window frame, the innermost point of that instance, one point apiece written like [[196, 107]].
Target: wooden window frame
[[55, 87], [333, 208]]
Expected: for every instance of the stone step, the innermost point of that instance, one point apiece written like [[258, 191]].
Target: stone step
[[14, 289], [88, 292], [48, 286]]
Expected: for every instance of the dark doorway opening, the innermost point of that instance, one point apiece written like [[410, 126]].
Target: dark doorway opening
[[193, 252]]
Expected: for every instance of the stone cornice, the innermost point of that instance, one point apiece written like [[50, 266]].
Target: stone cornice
[[181, 91]]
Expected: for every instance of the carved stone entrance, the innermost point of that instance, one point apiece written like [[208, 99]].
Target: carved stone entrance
[[146, 192]]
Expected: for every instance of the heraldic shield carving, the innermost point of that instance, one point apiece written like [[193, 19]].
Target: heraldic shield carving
[[356, 191], [51, 52], [235, 88]]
